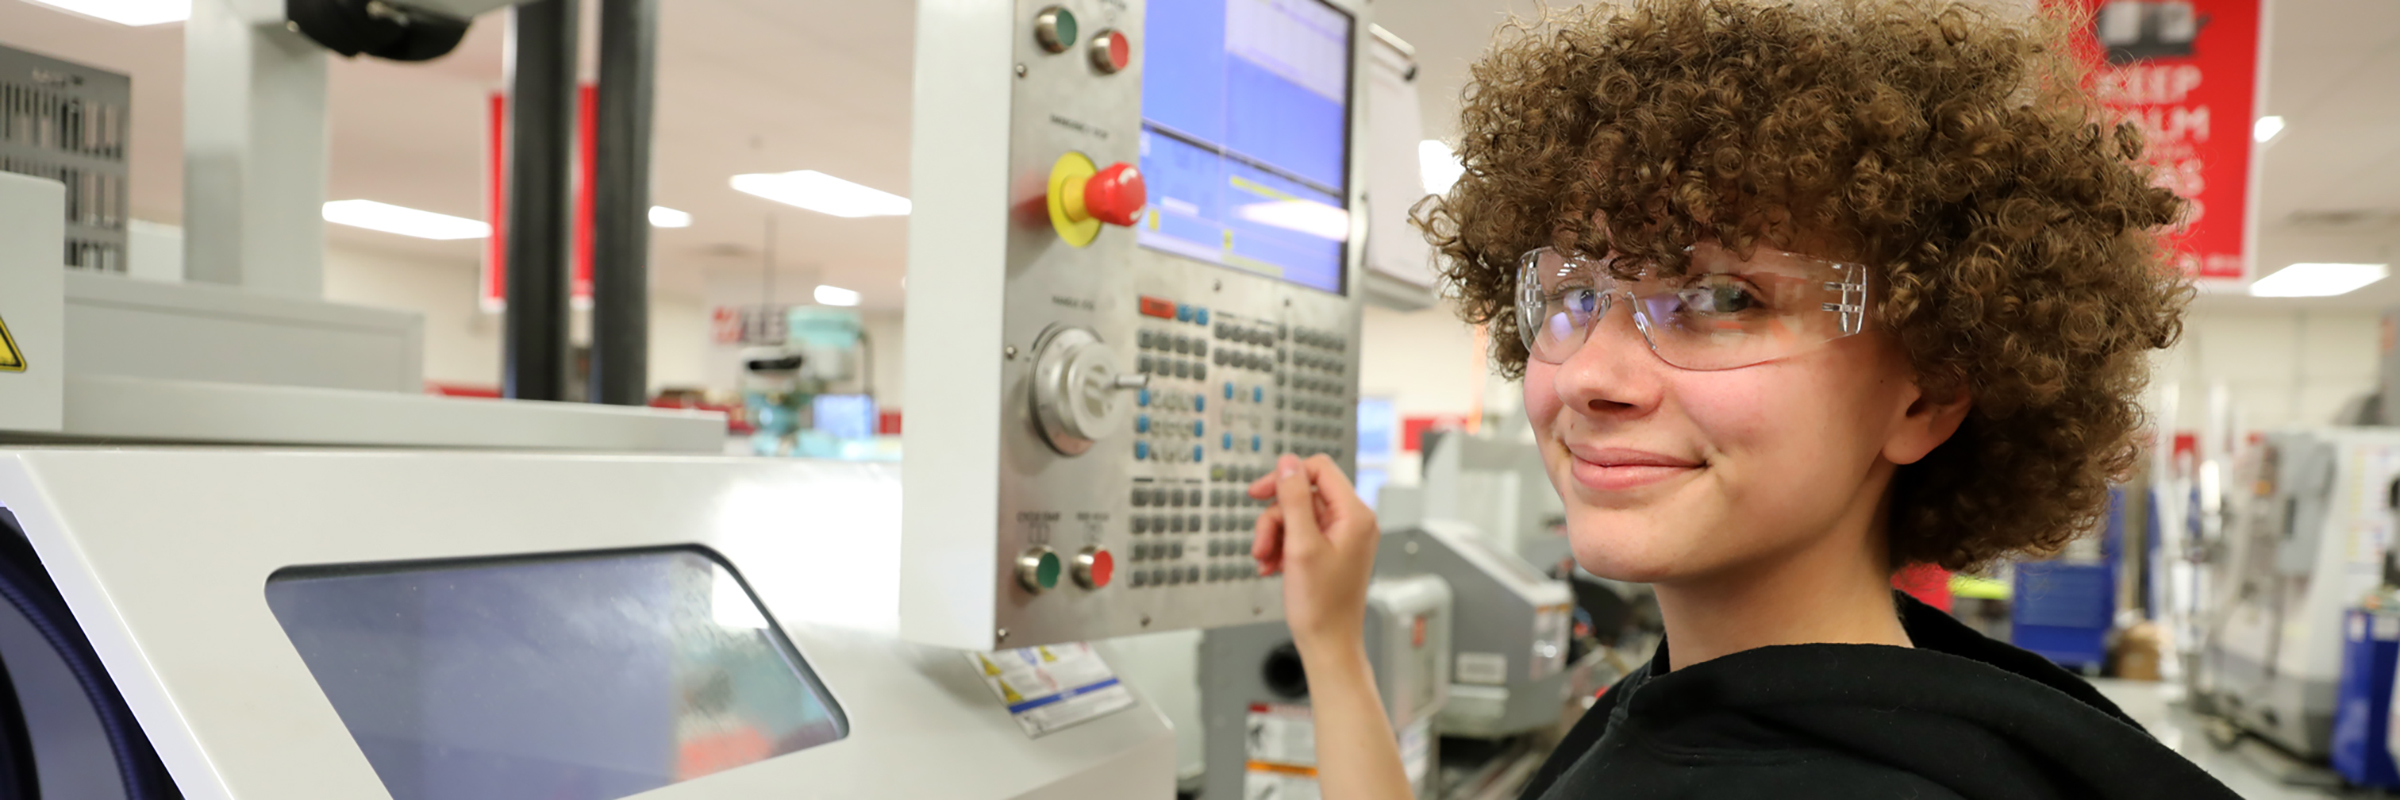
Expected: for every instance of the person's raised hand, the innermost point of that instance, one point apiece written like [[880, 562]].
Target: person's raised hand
[[1322, 539]]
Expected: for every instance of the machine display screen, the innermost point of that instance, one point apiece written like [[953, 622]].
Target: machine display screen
[[582, 677], [1245, 135]]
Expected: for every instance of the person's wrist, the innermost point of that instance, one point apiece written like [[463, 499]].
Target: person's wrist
[[1336, 641]]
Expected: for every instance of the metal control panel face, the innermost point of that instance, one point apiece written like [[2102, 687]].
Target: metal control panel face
[[1177, 311]]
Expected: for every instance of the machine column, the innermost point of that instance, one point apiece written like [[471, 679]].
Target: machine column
[[254, 150], [621, 203], [541, 150]]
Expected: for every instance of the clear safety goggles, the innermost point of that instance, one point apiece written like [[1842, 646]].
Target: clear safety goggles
[[1724, 312]]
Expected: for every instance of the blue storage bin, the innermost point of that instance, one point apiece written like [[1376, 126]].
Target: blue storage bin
[[2363, 699]]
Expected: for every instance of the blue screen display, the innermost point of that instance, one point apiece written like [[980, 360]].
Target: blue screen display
[[1245, 135]]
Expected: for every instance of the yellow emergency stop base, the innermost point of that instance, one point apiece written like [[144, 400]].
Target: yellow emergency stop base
[[1067, 213]]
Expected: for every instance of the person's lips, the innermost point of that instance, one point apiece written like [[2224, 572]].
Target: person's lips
[[1619, 469]]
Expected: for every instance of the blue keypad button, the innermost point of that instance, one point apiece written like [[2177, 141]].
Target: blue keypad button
[[1228, 441], [1229, 390], [1258, 394], [1141, 424], [1199, 428], [1142, 399], [1200, 316], [1141, 451], [1196, 451], [1183, 313], [1199, 402], [1254, 443]]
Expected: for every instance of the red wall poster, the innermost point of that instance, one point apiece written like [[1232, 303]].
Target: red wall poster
[[2187, 72]]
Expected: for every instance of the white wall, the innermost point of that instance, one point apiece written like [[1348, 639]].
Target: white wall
[[2279, 367], [462, 343], [1427, 362]]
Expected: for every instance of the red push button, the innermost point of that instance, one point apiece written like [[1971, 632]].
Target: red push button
[[1156, 307], [1116, 195], [1094, 567], [1111, 52]]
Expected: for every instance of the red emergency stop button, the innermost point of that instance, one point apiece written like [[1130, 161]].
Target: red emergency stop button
[[1111, 52], [1116, 195], [1094, 567]]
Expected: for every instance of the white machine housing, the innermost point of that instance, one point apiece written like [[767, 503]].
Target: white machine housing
[[1002, 308], [171, 593], [2299, 552]]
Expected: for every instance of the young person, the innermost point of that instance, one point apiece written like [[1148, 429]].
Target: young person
[[1801, 294]]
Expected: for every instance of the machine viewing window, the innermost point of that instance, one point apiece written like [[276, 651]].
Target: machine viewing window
[[1245, 135], [580, 677]]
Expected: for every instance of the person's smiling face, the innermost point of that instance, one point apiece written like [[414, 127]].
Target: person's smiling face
[[1669, 473]]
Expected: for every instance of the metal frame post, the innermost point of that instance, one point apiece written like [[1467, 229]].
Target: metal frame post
[[621, 203], [540, 209]]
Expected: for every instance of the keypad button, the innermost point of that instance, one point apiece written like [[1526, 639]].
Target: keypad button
[[1142, 398], [1183, 369], [1140, 498], [1175, 549], [1174, 524], [1141, 423], [1141, 451], [1228, 441], [1200, 316], [1199, 428], [1141, 524], [1158, 496], [1254, 443], [1196, 453], [1200, 371], [1183, 313], [1200, 348], [1192, 573]]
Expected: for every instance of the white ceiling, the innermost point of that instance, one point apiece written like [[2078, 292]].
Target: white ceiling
[[776, 85]]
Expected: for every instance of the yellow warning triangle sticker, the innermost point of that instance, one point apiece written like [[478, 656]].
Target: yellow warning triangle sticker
[[1009, 693], [12, 359], [989, 668]]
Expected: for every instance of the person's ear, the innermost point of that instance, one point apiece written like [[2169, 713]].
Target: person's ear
[[1930, 419]]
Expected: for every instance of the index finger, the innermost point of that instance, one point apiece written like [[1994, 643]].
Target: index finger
[[1331, 484]]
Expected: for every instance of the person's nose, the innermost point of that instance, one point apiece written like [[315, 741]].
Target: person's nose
[[1614, 374]]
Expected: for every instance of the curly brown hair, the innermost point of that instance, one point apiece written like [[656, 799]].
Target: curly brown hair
[[2017, 239]]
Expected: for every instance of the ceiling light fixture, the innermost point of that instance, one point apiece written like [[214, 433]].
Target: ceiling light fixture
[[136, 13], [404, 221], [836, 296], [664, 217], [2318, 280], [2265, 128], [1438, 167], [822, 193]]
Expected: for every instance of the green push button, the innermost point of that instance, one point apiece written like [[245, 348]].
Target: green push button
[[1047, 573], [1054, 29]]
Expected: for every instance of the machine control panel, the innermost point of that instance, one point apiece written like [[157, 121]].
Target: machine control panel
[[1151, 286]]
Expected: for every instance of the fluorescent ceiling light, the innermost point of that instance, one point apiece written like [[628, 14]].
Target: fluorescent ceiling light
[[2318, 280], [664, 217], [836, 296], [2265, 128], [1438, 167], [822, 193], [1312, 218], [127, 12], [389, 218]]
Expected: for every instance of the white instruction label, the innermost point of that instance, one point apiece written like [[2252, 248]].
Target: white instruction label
[[1482, 669], [1416, 751], [1052, 687], [1280, 747]]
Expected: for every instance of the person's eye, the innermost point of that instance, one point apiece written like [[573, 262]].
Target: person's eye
[[1720, 295], [1580, 301]]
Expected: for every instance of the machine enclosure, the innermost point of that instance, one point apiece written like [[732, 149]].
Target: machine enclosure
[[1509, 615], [32, 309], [2292, 564], [170, 592], [1408, 637]]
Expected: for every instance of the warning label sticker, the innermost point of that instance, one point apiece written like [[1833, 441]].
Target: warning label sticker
[[1280, 744], [1052, 687], [12, 358]]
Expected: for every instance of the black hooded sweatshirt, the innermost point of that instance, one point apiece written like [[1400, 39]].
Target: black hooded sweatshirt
[[1957, 716]]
